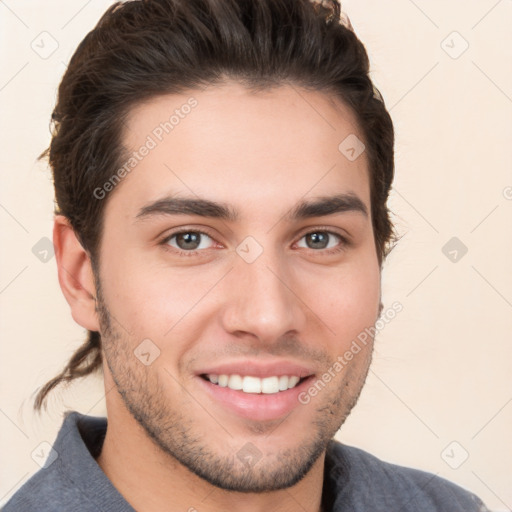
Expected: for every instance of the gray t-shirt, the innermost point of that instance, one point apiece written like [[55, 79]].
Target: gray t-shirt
[[354, 480]]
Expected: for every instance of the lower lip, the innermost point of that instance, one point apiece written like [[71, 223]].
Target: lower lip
[[259, 407]]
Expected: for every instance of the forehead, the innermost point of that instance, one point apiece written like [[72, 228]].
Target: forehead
[[266, 149]]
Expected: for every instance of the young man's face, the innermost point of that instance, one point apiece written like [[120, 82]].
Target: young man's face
[[268, 294]]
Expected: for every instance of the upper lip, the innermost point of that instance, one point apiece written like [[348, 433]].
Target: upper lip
[[259, 369]]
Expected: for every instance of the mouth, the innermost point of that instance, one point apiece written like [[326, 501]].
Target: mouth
[[249, 397], [255, 385]]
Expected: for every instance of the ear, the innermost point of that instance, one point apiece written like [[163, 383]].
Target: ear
[[76, 278]]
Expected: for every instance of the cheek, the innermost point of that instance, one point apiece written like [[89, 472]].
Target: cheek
[[156, 302], [151, 300], [347, 301]]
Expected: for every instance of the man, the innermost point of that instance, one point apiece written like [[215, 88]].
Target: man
[[221, 172]]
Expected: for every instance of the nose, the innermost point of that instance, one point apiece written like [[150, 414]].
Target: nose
[[262, 299]]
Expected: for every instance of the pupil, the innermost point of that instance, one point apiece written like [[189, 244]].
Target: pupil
[[319, 240], [191, 240]]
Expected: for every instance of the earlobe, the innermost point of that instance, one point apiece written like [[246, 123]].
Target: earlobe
[[76, 277]]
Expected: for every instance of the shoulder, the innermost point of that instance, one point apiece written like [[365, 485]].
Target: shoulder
[[42, 491], [70, 478], [374, 484]]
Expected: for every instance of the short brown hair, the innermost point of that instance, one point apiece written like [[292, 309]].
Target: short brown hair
[[145, 48]]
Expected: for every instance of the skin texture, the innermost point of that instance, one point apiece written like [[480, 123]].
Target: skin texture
[[169, 445]]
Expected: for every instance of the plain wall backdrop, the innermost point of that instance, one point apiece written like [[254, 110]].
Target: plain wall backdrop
[[439, 393]]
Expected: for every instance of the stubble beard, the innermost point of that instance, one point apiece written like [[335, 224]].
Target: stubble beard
[[181, 438]]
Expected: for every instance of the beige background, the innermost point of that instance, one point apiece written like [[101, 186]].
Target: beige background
[[442, 369]]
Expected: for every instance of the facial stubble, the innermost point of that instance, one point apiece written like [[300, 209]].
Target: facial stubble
[[180, 437]]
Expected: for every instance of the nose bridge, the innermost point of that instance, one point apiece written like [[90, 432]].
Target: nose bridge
[[260, 298]]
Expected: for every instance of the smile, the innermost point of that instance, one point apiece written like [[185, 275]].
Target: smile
[[252, 384]]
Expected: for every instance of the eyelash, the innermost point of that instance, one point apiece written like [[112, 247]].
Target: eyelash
[[344, 242]]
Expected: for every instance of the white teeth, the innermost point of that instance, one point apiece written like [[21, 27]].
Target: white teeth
[[292, 382], [250, 384], [270, 385], [235, 382]]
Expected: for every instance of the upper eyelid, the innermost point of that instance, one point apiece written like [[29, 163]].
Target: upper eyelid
[[179, 231], [313, 229]]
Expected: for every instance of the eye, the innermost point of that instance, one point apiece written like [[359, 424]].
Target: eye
[[188, 241], [191, 242], [323, 240]]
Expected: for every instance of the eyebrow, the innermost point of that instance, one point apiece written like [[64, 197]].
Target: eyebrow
[[319, 207]]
